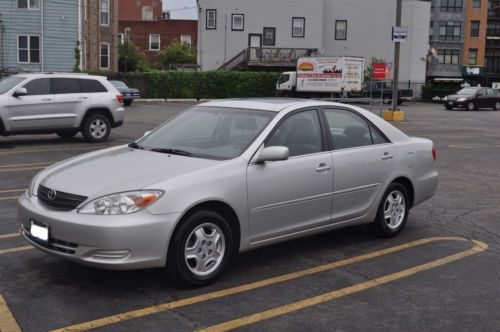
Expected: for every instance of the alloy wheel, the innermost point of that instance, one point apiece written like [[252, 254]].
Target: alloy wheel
[[205, 249], [98, 128], [394, 209]]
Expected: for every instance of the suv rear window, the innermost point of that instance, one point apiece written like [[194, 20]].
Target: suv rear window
[[91, 86], [66, 85]]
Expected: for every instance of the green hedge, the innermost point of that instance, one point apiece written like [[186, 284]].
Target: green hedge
[[202, 85]]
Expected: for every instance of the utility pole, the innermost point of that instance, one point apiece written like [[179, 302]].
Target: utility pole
[[397, 51]]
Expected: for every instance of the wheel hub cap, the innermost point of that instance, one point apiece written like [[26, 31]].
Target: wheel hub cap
[[394, 209], [98, 128], [205, 249]]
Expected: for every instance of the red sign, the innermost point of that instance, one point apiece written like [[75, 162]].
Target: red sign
[[379, 71]]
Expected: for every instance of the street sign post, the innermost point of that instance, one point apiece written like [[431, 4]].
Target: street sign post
[[399, 34]]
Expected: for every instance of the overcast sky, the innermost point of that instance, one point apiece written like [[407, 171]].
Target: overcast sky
[[181, 9]]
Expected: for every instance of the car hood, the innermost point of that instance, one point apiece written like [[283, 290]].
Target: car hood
[[455, 97], [118, 170]]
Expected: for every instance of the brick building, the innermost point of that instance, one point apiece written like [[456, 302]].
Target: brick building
[[151, 37], [99, 45], [140, 10]]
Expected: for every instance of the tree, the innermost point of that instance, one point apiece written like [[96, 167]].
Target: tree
[[177, 53], [131, 58]]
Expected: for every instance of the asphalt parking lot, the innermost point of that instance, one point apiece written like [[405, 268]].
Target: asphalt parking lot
[[440, 274]]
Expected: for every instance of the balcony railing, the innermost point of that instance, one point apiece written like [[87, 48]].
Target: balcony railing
[[270, 56]]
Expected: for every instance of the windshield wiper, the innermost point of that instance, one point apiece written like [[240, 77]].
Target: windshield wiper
[[134, 145], [173, 151]]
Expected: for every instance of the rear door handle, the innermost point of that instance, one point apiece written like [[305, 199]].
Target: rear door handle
[[46, 99], [323, 167], [387, 156], [82, 98]]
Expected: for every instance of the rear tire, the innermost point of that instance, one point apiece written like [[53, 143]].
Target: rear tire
[[96, 128], [386, 99], [497, 106], [67, 133], [392, 212], [200, 249]]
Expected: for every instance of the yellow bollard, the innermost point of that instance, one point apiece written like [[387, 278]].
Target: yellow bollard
[[398, 115]]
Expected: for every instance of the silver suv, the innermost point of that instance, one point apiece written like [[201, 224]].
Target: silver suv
[[60, 103]]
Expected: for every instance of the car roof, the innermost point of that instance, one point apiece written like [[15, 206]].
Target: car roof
[[65, 75], [266, 104]]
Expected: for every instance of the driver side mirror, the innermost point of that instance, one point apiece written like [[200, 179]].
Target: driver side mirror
[[273, 153], [146, 133], [20, 92]]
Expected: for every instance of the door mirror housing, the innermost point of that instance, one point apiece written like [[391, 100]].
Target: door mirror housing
[[146, 133], [20, 92], [273, 153]]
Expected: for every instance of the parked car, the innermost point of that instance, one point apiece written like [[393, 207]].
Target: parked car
[[383, 90], [129, 94], [59, 103], [473, 98], [225, 177]]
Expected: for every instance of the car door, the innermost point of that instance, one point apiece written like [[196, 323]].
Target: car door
[[68, 100], [363, 161], [34, 111], [290, 196], [492, 98], [483, 100]]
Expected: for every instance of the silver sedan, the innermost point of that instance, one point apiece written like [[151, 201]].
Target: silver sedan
[[225, 177]]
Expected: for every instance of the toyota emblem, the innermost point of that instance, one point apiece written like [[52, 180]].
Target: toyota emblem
[[51, 194]]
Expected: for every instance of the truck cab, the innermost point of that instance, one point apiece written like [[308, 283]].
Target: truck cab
[[287, 82]]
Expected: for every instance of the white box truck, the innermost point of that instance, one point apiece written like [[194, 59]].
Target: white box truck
[[323, 77]]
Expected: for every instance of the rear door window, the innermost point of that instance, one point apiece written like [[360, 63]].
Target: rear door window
[[92, 86], [37, 87], [66, 85]]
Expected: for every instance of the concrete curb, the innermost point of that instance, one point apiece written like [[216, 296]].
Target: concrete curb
[[178, 100], [146, 100]]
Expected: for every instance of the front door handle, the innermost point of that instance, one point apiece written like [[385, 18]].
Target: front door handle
[[387, 156], [323, 167], [83, 97], [47, 99]]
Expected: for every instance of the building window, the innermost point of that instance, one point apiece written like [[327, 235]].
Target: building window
[[28, 49], [476, 3], [450, 57], [450, 30], [269, 37], [121, 37], [340, 30], [104, 12], [473, 56], [492, 61], [187, 39], [237, 22], [298, 27], [474, 28], [451, 5], [211, 19], [154, 42], [28, 4], [104, 55]]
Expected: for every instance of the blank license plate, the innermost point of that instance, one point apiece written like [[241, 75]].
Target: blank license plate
[[39, 232]]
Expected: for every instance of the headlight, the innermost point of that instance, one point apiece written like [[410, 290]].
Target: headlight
[[121, 203], [31, 190], [461, 99], [445, 98]]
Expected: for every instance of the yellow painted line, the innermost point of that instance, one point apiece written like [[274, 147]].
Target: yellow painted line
[[24, 165], [472, 146], [96, 147], [15, 249], [12, 191], [8, 236], [285, 309], [20, 169], [247, 287], [8, 198], [7, 321]]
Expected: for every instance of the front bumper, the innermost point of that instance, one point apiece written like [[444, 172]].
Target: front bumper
[[456, 104], [134, 241]]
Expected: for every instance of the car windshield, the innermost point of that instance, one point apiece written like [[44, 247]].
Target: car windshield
[[283, 78], [9, 82], [208, 132], [119, 84], [467, 91]]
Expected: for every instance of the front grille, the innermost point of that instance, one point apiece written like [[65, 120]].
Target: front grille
[[62, 201]]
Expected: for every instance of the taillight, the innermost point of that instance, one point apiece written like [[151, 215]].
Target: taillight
[[434, 152], [119, 98]]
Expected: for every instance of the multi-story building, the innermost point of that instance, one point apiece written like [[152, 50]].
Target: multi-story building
[[272, 34], [151, 33], [38, 35], [492, 53], [99, 39]]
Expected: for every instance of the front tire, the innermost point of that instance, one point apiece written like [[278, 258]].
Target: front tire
[[96, 128], [471, 106], [449, 108], [497, 106], [386, 99], [200, 249], [393, 211]]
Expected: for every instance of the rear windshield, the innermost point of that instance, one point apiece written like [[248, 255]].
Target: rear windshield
[[9, 82], [119, 84]]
